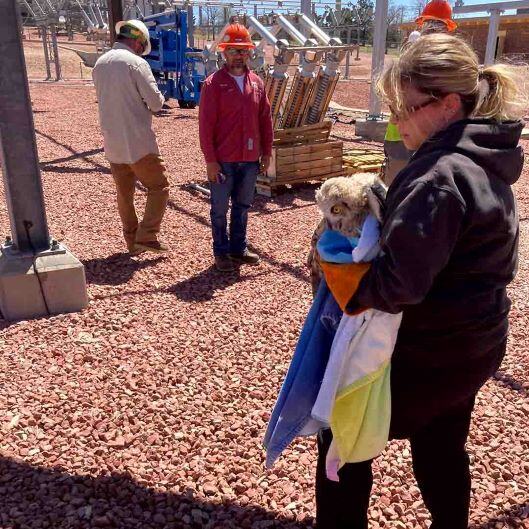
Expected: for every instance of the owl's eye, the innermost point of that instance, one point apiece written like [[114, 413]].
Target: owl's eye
[[337, 210]]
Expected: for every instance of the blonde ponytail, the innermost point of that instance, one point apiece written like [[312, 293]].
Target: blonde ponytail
[[503, 96]]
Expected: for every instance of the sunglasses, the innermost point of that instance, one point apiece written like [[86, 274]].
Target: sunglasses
[[412, 109], [232, 52]]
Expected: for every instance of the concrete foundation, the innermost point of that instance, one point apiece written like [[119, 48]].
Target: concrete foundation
[[371, 129], [59, 285]]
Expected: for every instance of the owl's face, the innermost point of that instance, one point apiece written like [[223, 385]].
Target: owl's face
[[343, 202], [345, 217]]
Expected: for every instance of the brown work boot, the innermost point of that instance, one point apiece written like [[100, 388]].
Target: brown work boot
[[135, 250], [246, 257], [223, 263], [152, 246]]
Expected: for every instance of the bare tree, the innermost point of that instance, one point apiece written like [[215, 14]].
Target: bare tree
[[363, 15], [417, 7], [213, 16], [395, 14], [394, 19]]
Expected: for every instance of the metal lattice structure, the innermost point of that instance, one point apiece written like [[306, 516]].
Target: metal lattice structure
[[70, 15]]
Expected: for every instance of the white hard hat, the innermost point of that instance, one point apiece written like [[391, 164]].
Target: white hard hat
[[140, 26], [414, 35]]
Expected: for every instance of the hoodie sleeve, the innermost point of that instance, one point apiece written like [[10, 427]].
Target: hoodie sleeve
[[418, 240]]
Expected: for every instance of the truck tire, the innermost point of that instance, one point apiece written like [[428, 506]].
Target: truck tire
[[186, 104]]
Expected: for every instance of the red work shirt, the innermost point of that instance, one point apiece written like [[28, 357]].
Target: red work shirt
[[235, 126]]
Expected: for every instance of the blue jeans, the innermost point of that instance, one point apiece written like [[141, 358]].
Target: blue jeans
[[240, 187]]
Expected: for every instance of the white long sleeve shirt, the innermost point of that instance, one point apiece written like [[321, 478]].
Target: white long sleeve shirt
[[127, 95]]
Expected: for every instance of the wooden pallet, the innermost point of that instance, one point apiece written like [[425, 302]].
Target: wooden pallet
[[308, 160], [272, 189], [362, 160], [316, 133]]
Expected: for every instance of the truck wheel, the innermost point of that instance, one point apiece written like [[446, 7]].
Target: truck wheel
[[186, 104]]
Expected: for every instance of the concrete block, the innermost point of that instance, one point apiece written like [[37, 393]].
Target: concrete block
[[371, 129], [60, 283]]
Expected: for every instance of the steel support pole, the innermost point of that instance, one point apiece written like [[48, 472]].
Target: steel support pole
[[55, 50], [115, 15], [377, 57], [22, 181], [494, 24], [190, 27], [44, 34]]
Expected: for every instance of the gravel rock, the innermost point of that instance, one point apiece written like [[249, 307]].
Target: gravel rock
[[148, 408]]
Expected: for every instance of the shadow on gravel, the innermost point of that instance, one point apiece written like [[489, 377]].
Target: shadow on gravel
[[38, 498], [203, 286], [75, 156], [299, 272], [85, 156], [515, 517], [293, 207], [511, 383], [115, 269]]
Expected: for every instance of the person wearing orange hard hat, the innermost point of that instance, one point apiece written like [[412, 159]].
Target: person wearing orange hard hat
[[436, 17], [436, 14], [235, 127], [236, 36]]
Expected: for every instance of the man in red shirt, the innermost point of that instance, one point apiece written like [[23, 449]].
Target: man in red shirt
[[236, 138]]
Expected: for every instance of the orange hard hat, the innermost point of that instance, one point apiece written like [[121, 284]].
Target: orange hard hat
[[236, 36], [437, 10]]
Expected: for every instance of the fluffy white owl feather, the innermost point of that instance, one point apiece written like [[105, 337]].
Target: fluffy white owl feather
[[345, 201]]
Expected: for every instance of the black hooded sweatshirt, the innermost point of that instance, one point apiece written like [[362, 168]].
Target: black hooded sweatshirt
[[449, 249]]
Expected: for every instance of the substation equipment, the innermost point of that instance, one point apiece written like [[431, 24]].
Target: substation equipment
[[178, 68]]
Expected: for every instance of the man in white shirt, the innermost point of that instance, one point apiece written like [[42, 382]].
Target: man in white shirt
[[128, 96]]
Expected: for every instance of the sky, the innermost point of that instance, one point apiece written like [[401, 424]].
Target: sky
[[412, 3]]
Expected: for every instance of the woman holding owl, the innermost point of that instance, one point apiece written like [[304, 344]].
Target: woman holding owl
[[448, 250]]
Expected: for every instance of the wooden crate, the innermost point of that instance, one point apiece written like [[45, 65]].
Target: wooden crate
[[305, 161], [301, 154], [304, 134]]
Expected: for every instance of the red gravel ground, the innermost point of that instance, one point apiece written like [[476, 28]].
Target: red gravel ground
[[147, 409]]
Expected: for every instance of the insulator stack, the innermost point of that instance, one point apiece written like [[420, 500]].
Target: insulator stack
[[297, 101], [275, 90], [320, 97]]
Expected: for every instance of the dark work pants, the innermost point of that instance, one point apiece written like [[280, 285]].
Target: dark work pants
[[440, 465], [240, 187]]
